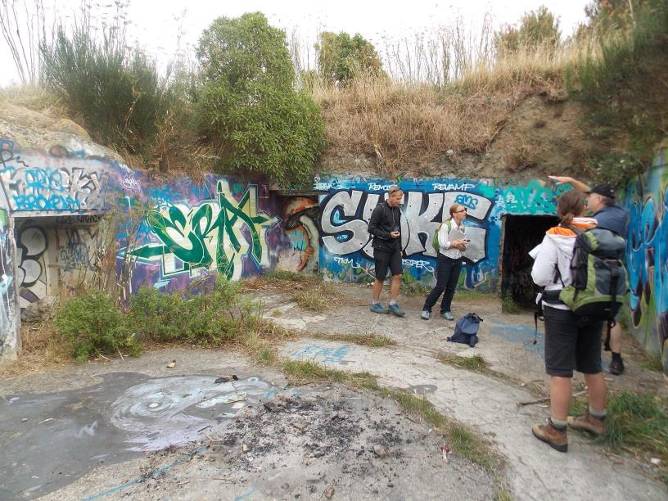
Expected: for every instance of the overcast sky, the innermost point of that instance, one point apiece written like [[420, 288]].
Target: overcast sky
[[155, 23]]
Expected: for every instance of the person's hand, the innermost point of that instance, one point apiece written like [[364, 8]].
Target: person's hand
[[459, 244], [561, 179], [395, 234]]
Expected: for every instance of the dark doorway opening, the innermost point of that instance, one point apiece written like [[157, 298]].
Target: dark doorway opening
[[521, 234]]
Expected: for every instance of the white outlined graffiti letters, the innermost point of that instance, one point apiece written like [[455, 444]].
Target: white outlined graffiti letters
[[346, 213]]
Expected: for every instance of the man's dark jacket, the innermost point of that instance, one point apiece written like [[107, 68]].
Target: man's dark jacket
[[384, 220], [613, 218]]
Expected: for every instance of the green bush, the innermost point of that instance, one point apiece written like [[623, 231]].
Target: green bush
[[247, 107], [115, 91], [619, 82], [157, 316], [93, 324], [211, 319], [342, 57], [219, 317]]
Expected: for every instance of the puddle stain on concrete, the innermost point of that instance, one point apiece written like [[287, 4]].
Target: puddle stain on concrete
[[50, 440], [521, 334], [322, 354], [169, 411]]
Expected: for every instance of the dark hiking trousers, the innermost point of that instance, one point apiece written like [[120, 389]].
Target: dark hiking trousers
[[447, 275]]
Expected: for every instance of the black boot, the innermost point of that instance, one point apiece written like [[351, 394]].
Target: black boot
[[616, 365]]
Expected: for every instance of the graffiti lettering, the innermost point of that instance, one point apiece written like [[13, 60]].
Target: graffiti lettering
[[647, 258], [81, 250], [51, 189], [7, 296], [346, 250], [322, 354], [31, 276], [418, 264], [452, 186], [345, 229], [215, 235]]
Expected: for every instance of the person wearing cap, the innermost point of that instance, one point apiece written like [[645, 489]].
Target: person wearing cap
[[609, 216], [385, 227]]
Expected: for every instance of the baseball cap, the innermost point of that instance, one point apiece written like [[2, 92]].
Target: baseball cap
[[604, 190]]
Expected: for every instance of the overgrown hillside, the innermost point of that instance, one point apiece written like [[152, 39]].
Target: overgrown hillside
[[525, 104]]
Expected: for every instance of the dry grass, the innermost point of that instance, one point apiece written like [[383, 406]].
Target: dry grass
[[317, 297], [370, 340], [403, 124], [34, 98], [310, 292], [42, 350]]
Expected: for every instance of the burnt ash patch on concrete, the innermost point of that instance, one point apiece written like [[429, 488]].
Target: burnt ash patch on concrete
[[309, 440]]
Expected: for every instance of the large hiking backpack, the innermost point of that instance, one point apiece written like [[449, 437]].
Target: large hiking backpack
[[434, 239], [599, 281], [466, 330]]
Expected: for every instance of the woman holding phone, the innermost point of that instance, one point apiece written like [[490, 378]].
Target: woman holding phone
[[452, 242]]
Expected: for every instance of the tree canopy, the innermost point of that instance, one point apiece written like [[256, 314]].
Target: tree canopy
[[248, 106], [341, 57]]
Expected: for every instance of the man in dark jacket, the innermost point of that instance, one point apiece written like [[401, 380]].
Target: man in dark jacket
[[610, 216], [385, 227]]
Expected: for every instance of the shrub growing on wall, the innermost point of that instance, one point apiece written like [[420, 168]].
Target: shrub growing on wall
[[115, 91], [247, 105]]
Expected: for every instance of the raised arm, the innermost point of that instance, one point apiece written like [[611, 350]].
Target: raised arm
[[578, 185]]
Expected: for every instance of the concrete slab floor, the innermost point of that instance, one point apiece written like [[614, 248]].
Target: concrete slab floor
[[136, 428], [188, 437]]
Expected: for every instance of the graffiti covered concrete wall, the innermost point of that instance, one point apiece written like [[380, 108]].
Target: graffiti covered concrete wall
[[646, 198], [56, 182], [184, 231], [300, 219], [9, 317], [171, 232], [346, 251]]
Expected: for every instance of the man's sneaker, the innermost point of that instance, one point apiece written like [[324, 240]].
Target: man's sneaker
[[587, 422], [396, 311], [425, 315], [616, 366], [378, 308], [557, 439], [447, 315]]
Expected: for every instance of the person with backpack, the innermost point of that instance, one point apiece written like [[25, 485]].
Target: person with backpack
[[579, 268], [608, 215], [449, 242], [385, 227]]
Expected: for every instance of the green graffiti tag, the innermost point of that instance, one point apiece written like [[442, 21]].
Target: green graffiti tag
[[209, 236]]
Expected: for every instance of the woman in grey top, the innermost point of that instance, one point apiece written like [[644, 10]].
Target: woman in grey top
[[451, 242]]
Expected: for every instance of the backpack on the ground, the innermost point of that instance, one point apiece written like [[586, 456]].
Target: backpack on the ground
[[466, 330], [434, 239], [599, 278]]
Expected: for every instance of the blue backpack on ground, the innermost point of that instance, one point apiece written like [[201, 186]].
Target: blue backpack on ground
[[466, 330]]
